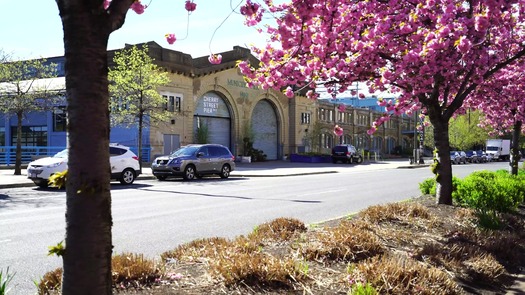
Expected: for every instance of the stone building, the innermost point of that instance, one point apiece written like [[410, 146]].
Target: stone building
[[213, 103]]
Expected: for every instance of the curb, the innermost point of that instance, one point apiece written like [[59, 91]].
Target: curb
[[413, 166]]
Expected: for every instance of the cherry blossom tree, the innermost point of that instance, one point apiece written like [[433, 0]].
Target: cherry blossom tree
[[502, 100], [433, 53]]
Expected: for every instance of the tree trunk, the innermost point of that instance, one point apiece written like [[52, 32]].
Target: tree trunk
[[88, 241], [18, 158], [141, 122], [444, 169], [514, 151]]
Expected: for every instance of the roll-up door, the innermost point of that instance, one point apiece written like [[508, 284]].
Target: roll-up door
[[213, 113], [265, 129]]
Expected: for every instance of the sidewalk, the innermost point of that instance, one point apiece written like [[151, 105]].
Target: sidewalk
[[256, 169]]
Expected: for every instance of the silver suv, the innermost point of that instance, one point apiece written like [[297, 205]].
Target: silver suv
[[195, 161]]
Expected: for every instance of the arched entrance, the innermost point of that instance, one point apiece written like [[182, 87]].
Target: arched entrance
[[265, 129], [212, 117]]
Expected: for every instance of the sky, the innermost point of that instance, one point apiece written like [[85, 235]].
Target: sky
[[33, 29]]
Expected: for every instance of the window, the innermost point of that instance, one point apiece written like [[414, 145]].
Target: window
[[305, 118], [60, 119], [341, 117], [173, 103], [31, 135]]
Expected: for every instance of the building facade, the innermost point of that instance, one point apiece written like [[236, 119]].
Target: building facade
[[212, 103]]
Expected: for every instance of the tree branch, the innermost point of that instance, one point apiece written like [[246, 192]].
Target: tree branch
[[117, 13]]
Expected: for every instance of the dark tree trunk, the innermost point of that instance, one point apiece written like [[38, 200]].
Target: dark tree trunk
[[87, 256], [87, 259], [442, 142], [515, 148], [18, 158], [141, 122]]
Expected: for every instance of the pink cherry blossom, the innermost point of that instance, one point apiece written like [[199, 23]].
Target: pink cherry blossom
[[106, 4], [138, 7], [289, 92], [341, 107], [433, 53], [190, 6], [215, 59], [170, 38], [338, 130]]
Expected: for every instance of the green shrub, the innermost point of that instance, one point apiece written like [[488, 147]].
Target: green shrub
[[428, 186], [490, 192]]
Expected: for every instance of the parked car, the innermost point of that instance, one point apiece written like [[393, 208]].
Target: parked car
[[472, 156], [483, 157], [346, 153], [195, 161], [124, 166], [458, 157]]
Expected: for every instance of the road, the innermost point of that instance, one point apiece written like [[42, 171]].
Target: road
[[151, 217]]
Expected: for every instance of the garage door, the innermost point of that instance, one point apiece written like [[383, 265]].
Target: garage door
[[265, 129], [213, 113], [218, 129]]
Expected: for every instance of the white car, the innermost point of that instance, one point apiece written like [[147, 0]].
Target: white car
[[124, 166]]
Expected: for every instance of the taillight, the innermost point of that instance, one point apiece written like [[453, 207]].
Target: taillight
[[233, 158], [135, 158]]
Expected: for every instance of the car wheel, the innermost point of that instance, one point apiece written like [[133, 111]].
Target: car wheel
[[350, 160], [127, 176], [161, 177], [189, 172], [225, 171], [359, 160]]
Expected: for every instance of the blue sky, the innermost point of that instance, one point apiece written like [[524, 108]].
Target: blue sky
[[32, 28]]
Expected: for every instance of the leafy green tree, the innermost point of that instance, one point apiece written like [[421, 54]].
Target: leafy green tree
[[465, 133], [463, 130], [25, 89], [133, 87]]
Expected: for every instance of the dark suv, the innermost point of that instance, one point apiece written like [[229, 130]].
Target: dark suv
[[346, 153], [195, 161]]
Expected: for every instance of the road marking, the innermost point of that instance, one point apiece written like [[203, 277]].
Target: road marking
[[5, 241]]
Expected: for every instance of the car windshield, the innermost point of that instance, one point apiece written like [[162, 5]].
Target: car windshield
[[492, 148], [452, 153], [61, 154], [185, 151]]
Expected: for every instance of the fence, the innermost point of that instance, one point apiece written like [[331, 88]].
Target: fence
[[30, 153]]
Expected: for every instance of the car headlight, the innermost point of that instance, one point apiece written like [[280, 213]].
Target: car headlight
[[55, 165], [175, 161]]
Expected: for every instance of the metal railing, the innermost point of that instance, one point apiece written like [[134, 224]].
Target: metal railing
[[30, 153]]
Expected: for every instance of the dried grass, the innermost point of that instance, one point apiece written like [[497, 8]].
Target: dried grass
[[349, 241], [395, 212], [50, 283], [394, 274], [408, 248], [278, 230], [133, 270]]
